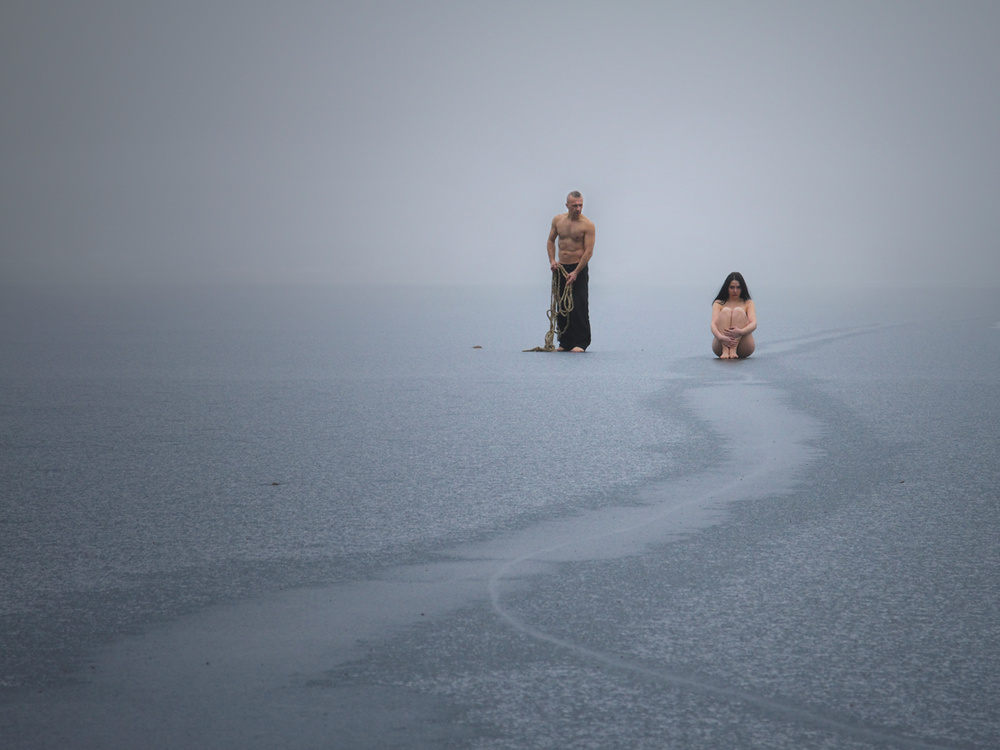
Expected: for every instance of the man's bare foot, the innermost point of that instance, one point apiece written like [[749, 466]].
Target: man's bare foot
[[560, 349], [576, 349]]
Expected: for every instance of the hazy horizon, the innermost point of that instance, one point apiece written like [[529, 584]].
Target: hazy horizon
[[430, 143]]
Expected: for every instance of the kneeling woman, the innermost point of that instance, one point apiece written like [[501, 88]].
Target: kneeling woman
[[733, 319]]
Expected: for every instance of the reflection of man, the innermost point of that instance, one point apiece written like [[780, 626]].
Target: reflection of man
[[576, 234]]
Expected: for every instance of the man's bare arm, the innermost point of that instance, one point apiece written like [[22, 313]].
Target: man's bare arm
[[589, 239], [551, 247]]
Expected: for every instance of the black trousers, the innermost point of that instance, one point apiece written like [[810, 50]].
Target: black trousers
[[576, 326]]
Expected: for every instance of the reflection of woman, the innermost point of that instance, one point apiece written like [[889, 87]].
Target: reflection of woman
[[733, 319]]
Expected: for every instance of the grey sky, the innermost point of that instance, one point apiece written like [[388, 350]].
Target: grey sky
[[432, 142]]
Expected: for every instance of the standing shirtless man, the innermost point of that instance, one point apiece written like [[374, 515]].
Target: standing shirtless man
[[576, 234]]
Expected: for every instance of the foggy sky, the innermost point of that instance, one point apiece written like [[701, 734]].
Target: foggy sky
[[843, 143]]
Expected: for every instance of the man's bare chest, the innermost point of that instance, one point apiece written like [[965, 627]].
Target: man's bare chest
[[571, 231]]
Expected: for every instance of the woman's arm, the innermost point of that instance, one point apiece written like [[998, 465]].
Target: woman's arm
[[716, 309], [719, 334], [751, 325]]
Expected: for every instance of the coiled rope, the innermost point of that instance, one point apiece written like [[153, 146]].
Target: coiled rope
[[559, 304]]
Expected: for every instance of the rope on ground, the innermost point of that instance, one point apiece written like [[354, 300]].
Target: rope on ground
[[559, 304]]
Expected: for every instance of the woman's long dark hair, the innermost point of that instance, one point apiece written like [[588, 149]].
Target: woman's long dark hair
[[723, 294]]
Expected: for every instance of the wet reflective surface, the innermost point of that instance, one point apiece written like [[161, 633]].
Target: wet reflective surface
[[314, 541]]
